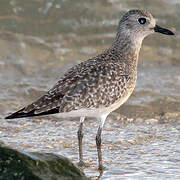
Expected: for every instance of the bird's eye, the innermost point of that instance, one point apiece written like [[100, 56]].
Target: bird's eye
[[142, 20]]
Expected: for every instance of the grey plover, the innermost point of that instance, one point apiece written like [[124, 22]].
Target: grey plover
[[98, 86]]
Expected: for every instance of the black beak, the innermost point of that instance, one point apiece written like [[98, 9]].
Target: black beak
[[163, 30]]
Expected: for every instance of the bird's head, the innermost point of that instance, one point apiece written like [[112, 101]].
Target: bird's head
[[140, 23]]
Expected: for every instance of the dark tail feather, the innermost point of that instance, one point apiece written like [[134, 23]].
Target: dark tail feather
[[21, 114]]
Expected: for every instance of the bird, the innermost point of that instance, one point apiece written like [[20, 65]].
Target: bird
[[96, 87]]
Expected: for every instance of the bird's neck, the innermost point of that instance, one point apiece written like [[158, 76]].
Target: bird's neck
[[128, 46]]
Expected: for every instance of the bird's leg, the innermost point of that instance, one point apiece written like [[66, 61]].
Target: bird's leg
[[80, 137], [98, 142]]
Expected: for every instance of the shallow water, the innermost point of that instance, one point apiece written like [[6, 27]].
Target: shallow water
[[39, 40]]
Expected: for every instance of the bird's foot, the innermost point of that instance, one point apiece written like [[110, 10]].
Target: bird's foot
[[101, 168], [82, 164]]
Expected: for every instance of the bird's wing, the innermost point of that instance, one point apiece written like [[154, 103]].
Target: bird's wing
[[100, 86], [90, 84]]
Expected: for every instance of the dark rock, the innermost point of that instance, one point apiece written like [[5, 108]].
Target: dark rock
[[20, 165]]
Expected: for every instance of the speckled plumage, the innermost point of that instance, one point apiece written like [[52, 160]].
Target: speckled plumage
[[98, 82], [98, 86]]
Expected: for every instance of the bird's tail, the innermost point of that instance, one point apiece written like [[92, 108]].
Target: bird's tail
[[21, 113]]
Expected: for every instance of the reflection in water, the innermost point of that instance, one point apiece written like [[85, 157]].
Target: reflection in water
[[39, 40]]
